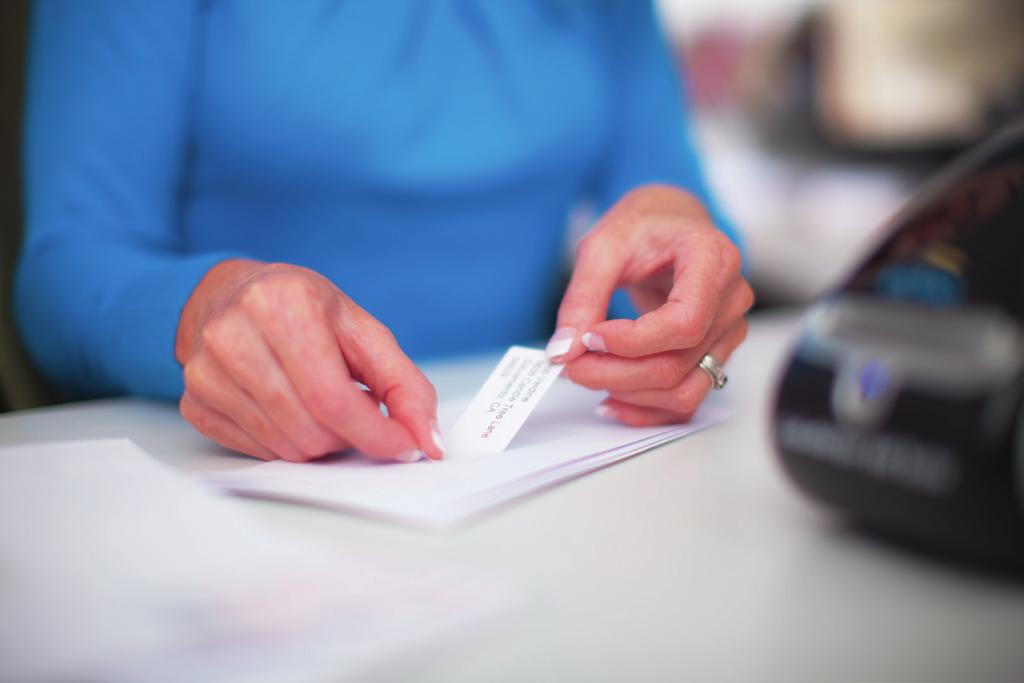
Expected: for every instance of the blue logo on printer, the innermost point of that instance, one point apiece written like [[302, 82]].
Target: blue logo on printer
[[874, 380]]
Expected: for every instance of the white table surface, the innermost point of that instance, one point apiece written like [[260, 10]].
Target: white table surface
[[695, 561]]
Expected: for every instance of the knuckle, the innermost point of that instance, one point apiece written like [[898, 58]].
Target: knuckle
[[186, 407], [281, 291], [578, 373], [212, 333], [201, 422], [275, 400], [573, 309], [327, 405], [684, 401], [360, 325], [197, 417], [732, 260], [691, 336], [220, 334], [312, 444], [397, 396], [259, 426], [598, 242], [667, 372], [256, 299], [684, 324], [690, 329], [425, 388], [318, 399], [305, 443], [297, 287], [747, 296], [196, 378], [384, 333]]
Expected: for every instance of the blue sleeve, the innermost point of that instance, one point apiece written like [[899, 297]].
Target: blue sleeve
[[102, 277], [651, 141]]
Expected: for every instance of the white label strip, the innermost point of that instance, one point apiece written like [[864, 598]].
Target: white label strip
[[500, 408]]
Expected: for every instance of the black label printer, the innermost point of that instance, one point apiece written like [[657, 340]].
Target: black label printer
[[903, 401]]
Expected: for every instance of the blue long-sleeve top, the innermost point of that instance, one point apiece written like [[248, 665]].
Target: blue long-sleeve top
[[422, 154]]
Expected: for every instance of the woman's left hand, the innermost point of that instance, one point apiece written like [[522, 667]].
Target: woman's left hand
[[684, 277]]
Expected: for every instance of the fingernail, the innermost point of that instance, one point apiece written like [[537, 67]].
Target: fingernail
[[409, 456], [561, 342], [605, 411], [435, 434], [594, 342]]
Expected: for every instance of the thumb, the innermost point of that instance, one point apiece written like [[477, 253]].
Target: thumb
[[598, 268], [375, 356]]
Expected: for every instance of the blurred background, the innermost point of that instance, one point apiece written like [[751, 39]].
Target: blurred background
[[816, 119]]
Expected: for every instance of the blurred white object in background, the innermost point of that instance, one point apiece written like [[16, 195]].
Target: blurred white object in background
[[806, 224], [682, 18], [909, 73], [816, 119], [805, 221]]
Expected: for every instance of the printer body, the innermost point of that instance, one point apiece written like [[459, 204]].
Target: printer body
[[902, 402]]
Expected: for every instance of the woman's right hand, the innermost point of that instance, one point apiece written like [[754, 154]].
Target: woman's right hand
[[272, 353]]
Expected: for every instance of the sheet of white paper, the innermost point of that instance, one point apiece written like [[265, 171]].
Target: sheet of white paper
[[116, 568], [561, 440]]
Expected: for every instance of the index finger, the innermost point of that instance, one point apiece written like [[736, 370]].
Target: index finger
[[585, 303], [704, 270], [375, 357], [315, 365]]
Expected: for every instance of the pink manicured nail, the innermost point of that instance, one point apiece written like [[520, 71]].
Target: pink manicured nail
[[409, 456], [594, 342], [605, 412], [561, 342]]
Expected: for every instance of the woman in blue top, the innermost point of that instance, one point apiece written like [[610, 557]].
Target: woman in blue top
[[273, 196]]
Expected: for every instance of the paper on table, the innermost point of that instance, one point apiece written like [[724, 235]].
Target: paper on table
[[562, 439], [116, 568]]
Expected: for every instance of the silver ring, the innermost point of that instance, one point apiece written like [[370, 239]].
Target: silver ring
[[713, 369]]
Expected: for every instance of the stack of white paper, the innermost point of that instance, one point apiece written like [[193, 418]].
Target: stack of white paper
[[116, 568], [562, 439]]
